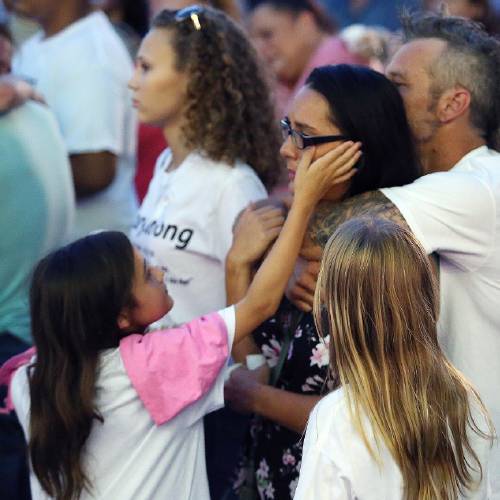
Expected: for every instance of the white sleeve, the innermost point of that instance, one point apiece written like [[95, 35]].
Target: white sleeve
[[321, 478], [242, 188], [20, 393], [92, 110], [452, 213], [214, 398]]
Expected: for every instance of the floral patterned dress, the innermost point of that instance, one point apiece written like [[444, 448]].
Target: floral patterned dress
[[278, 450]]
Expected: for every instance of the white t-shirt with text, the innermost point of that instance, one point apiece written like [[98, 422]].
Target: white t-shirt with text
[[185, 226]]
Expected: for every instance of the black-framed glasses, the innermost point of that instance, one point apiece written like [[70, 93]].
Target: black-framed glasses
[[302, 141], [193, 12]]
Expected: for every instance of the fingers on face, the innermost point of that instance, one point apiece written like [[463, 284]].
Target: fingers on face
[[307, 158], [344, 163], [342, 153]]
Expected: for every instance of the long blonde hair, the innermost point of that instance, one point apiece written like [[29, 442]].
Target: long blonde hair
[[377, 299]]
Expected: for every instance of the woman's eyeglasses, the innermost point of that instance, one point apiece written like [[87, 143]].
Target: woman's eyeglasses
[[193, 12], [302, 141]]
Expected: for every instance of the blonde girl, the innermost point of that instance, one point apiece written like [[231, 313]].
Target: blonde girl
[[403, 422]]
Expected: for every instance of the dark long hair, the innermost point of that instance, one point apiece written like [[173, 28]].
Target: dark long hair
[[367, 107], [229, 113], [77, 294]]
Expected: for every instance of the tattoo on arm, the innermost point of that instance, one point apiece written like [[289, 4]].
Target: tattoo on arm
[[330, 215]]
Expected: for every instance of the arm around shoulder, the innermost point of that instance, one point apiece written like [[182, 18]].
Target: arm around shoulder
[[92, 172], [328, 216]]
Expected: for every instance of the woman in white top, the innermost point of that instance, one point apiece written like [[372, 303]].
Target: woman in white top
[[403, 422], [197, 78]]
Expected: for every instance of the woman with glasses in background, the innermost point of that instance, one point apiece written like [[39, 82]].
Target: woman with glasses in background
[[337, 104]]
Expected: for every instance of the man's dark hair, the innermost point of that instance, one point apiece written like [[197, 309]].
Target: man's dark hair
[[470, 60]]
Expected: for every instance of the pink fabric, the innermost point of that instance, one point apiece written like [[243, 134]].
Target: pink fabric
[[7, 372], [171, 369], [332, 51]]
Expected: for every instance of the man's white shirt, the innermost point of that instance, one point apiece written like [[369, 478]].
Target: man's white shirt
[[457, 215]]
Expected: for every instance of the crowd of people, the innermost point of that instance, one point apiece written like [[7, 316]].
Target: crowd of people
[[250, 250]]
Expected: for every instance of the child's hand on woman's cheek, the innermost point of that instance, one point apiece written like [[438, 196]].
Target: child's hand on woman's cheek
[[314, 179]]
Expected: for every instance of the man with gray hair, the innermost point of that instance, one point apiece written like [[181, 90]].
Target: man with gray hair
[[448, 73]]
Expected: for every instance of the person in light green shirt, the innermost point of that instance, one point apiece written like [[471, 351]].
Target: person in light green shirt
[[37, 207]]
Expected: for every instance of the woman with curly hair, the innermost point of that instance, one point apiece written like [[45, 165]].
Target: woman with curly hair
[[197, 78]]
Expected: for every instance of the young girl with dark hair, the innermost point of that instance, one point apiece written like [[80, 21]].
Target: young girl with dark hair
[[403, 423], [337, 104], [111, 412]]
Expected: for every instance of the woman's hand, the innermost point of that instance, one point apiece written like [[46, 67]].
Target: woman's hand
[[314, 179], [240, 391], [254, 231], [302, 284]]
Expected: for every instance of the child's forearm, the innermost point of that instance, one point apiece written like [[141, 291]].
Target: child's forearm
[[268, 286], [238, 279]]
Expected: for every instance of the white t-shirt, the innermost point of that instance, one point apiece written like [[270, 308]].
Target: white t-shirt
[[83, 72], [185, 226], [128, 456], [336, 464], [457, 215]]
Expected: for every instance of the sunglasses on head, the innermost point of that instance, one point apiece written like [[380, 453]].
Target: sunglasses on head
[[193, 12]]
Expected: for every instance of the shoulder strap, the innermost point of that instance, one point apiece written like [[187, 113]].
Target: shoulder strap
[[285, 346]]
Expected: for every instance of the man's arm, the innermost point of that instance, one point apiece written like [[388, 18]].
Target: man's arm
[[328, 216], [92, 172]]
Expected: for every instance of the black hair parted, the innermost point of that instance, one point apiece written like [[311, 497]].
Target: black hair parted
[[367, 107]]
